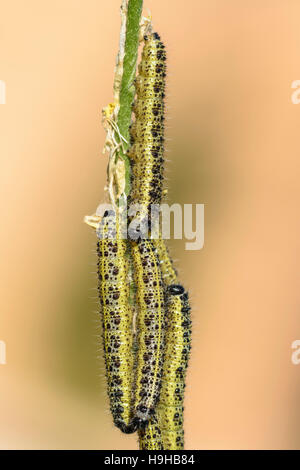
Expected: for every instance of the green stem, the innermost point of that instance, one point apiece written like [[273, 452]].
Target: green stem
[[127, 90]]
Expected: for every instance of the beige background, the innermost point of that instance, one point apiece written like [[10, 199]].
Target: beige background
[[234, 146]]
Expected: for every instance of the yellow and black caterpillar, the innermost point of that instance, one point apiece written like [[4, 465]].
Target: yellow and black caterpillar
[[147, 132], [116, 319], [150, 329], [146, 154], [178, 345]]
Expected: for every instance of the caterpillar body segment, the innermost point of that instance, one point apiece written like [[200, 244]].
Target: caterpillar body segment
[[116, 316], [177, 352], [150, 330], [150, 437]]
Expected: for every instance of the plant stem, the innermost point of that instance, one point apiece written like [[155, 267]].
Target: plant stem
[[127, 89]]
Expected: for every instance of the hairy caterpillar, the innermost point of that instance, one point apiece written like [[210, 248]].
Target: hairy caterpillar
[[147, 132], [178, 345], [116, 319], [151, 437], [146, 153], [150, 328]]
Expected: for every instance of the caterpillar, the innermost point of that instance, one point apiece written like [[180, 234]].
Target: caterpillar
[[178, 341], [146, 154], [151, 437], [116, 319], [165, 428], [178, 345], [147, 132], [150, 330]]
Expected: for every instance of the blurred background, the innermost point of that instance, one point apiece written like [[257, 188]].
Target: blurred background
[[234, 146]]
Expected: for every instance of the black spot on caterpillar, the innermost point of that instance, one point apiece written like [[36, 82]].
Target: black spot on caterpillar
[[147, 132], [150, 330], [178, 345], [116, 319]]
